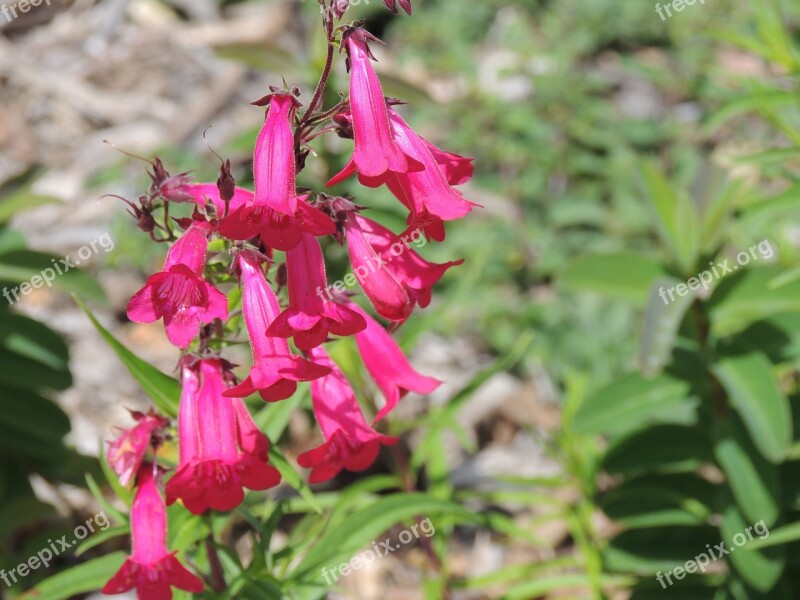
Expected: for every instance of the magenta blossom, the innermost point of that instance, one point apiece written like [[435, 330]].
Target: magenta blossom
[[415, 274], [310, 316], [221, 449], [457, 169], [376, 151], [392, 5], [275, 212], [276, 230], [126, 453], [388, 366], [179, 294], [350, 443], [428, 193], [386, 293], [275, 370], [273, 159], [151, 568]]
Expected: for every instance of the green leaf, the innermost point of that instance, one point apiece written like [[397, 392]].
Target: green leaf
[[652, 549], [776, 537], [663, 448], [677, 216], [88, 577], [163, 390], [662, 320], [633, 402], [101, 500], [624, 276], [760, 569], [659, 500], [561, 583], [22, 199], [292, 477], [100, 537], [364, 526], [765, 411], [31, 427], [20, 266], [747, 296], [752, 480], [33, 339]]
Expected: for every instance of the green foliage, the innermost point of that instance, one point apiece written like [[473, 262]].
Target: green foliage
[[35, 363]]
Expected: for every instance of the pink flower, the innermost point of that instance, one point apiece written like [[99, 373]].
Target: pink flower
[[415, 274], [392, 5], [388, 366], [203, 193], [276, 230], [386, 293], [375, 152], [273, 159], [150, 568], [126, 453], [310, 317], [457, 169], [428, 193], [275, 370], [350, 443], [179, 294], [221, 449]]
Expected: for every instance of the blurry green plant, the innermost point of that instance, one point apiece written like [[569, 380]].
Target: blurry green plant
[[702, 439], [35, 364]]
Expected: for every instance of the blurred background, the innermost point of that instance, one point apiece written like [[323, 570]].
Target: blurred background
[[585, 119]]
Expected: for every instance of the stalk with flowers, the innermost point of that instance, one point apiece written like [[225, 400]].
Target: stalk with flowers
[[222, 451]]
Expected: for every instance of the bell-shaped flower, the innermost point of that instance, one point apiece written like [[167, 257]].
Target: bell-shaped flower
[[179, 294], [427, 193], [221, 449], [375, 152], [311, 314], [350, 443], [151, 568], [386, 293], [275, 370], [126, 453], [415, 274], [392, 5], [276, 230], [457, 169], [273, 158], [388, 366]]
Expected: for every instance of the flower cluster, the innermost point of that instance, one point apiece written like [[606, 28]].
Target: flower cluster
[[222, 452]]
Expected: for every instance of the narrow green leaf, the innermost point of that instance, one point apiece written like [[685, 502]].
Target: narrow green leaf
[[623, 276], [292, 477], [760, 569], [765, 411], [87, 577], [633, 402], [20, 266], [752, 480], [677, 216], [746, 296], [363, 527], [662, 319], [163, 390]]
